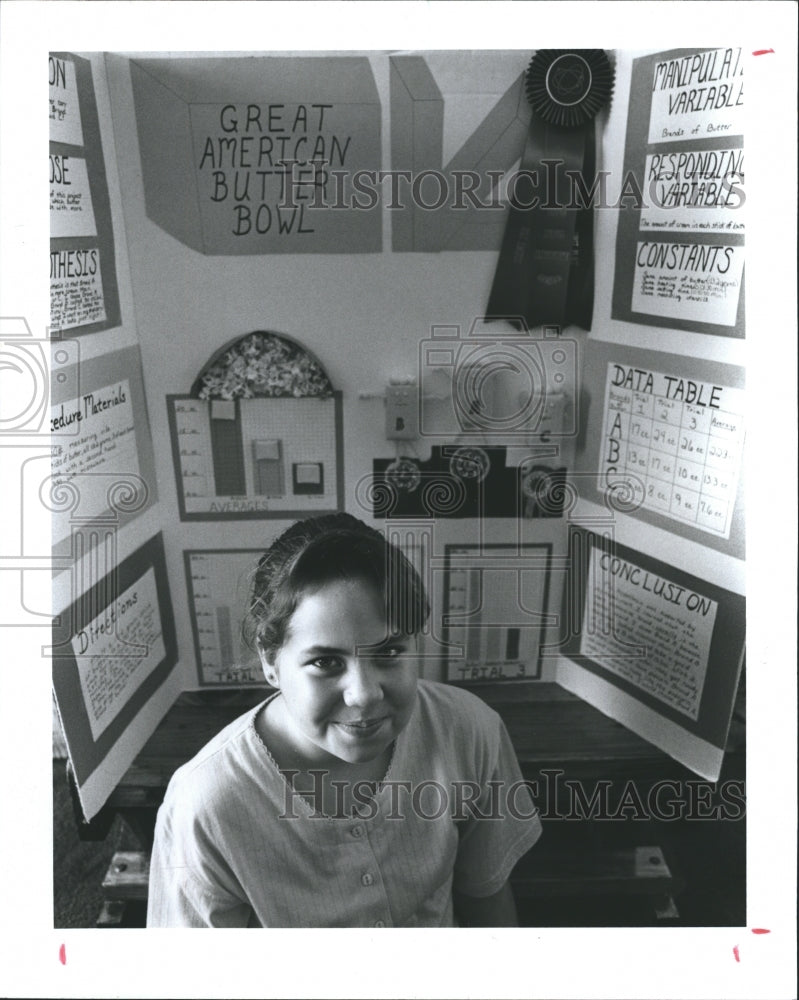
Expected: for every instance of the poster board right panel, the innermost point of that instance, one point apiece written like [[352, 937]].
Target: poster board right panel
[[654, 647], [680, 242]]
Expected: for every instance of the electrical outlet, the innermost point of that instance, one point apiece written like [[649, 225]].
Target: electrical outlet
[[402, 412]]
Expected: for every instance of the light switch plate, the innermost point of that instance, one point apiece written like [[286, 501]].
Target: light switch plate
[[402, 412]]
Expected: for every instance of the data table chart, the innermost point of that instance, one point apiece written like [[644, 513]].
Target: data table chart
[[676, 443]]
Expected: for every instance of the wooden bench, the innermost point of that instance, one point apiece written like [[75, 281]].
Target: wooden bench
[[542, 874], [124, 883], [551, 730]]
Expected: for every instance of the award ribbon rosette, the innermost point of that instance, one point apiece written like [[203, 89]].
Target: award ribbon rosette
[[545, 270]]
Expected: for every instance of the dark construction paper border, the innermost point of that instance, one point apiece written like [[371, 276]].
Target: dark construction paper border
[[280, 513], [636, 148], [195, 628], [511, 548], [726, 645], [92, 375], [598, 354], [92, 152], [86, 754]]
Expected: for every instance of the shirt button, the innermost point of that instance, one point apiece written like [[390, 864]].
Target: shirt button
[[379, 923], [357, 831], [367, 878]]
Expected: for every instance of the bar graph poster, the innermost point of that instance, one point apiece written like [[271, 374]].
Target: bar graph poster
[[83, 283], [218, 584], [680, 242], [257, 458], [495, 601]]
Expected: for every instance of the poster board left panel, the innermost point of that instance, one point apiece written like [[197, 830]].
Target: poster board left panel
[[84, 295], [102, 465], [114, 650]]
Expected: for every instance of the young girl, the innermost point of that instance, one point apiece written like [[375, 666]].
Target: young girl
[[356, 795]]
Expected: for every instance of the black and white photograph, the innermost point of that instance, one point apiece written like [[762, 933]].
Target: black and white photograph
[[400, 499]]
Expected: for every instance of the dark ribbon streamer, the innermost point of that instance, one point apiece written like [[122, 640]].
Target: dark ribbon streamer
[[545, 269]]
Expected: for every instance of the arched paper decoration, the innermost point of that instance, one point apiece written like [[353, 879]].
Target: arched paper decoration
[[259, 435], [261, 364]]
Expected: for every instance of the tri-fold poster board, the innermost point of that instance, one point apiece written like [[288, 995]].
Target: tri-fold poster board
[[628, 591]]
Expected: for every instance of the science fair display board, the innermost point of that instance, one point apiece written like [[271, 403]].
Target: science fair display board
[[622, 580], [655, 595]]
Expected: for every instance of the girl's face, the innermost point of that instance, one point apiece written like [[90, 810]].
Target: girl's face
[[348, 687]]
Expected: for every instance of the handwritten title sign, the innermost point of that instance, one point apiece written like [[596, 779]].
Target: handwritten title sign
[[266, 170], [71, 210], [65, 120], [697, 95], [688, 281], [83, 287], [649, 630], [685, 184], [117, 650], [680, 248], [261, 155]]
